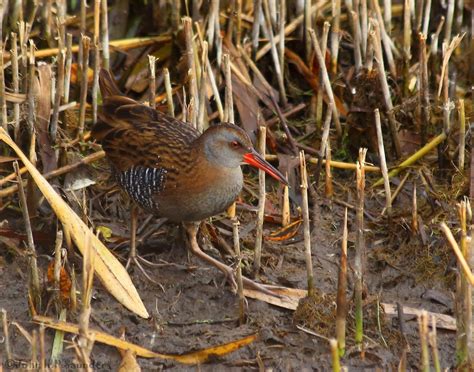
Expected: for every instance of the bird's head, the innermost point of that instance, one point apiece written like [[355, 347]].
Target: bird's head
[[229, 146]]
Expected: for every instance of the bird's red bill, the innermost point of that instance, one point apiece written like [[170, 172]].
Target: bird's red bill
[[255, 159]]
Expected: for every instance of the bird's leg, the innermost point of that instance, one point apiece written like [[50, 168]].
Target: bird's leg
[[133, 257], [192, 229]]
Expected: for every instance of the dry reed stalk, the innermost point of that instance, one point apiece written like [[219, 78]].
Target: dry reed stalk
[[414, 212], [23, 41], [417, 8], [376, 43], [336, 364], [73, 292], [324, 141], [329, 191], [320, 94], [364, 26], [3, 101], [59, 85], [229, 101], [273, 16], [449, 21], [95, 81], [433, 51], [211, 24], [388, 45], [425, 353], [6, 334], [426, 18], [457, 251], [42, 357], [326, 81], [104, 24], [34, 348], [86, 341], [276, 60], [85, 42], [334, 164], [257, 13], [462, 135], [34, 281], [307, 26], [215, 89], [67, 72], [383, 164], [203, 89], [285, 209], [387, 15], [306, 224], [447, 52], [193, 76], [335, 31], [463, 296], [460, 14], [238, 30], [433, 342], [152, 83], [356, 42], [406, 38], [238, 257], [184, 108], [16, 85], [262, 134], [341, 299], [281, 30], [57, 268], [169, 92], [360, 254], [423, 92], [82, 29]]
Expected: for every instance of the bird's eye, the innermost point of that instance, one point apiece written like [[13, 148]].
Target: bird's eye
[[235, 144]]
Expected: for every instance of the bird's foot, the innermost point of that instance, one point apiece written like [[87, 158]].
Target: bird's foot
[[136, 260]]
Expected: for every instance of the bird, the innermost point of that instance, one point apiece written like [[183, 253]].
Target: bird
[[171, 170]]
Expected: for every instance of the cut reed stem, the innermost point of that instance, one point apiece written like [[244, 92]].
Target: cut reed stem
[[261, 204], [306, 224]]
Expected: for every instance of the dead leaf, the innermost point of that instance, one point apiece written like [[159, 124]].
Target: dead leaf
[[64, 282], [285, 233], [191, 358]]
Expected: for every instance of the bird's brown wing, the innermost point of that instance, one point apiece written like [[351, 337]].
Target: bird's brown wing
[[133, 134]]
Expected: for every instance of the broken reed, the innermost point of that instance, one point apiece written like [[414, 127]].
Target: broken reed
[[306, 225], [383, 164], [34, 287], [423, 330], [463, 295], [261, 204], [341, 300], [238, 258], [192, 69], [359, 260], [86, 338]]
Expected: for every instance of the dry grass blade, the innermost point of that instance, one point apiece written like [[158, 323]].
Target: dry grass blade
[[454, 245], [113, 275]]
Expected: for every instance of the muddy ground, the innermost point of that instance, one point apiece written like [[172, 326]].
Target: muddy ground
[[195, 309]]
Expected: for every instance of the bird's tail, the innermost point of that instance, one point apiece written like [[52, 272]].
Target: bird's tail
[[108, 86]]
